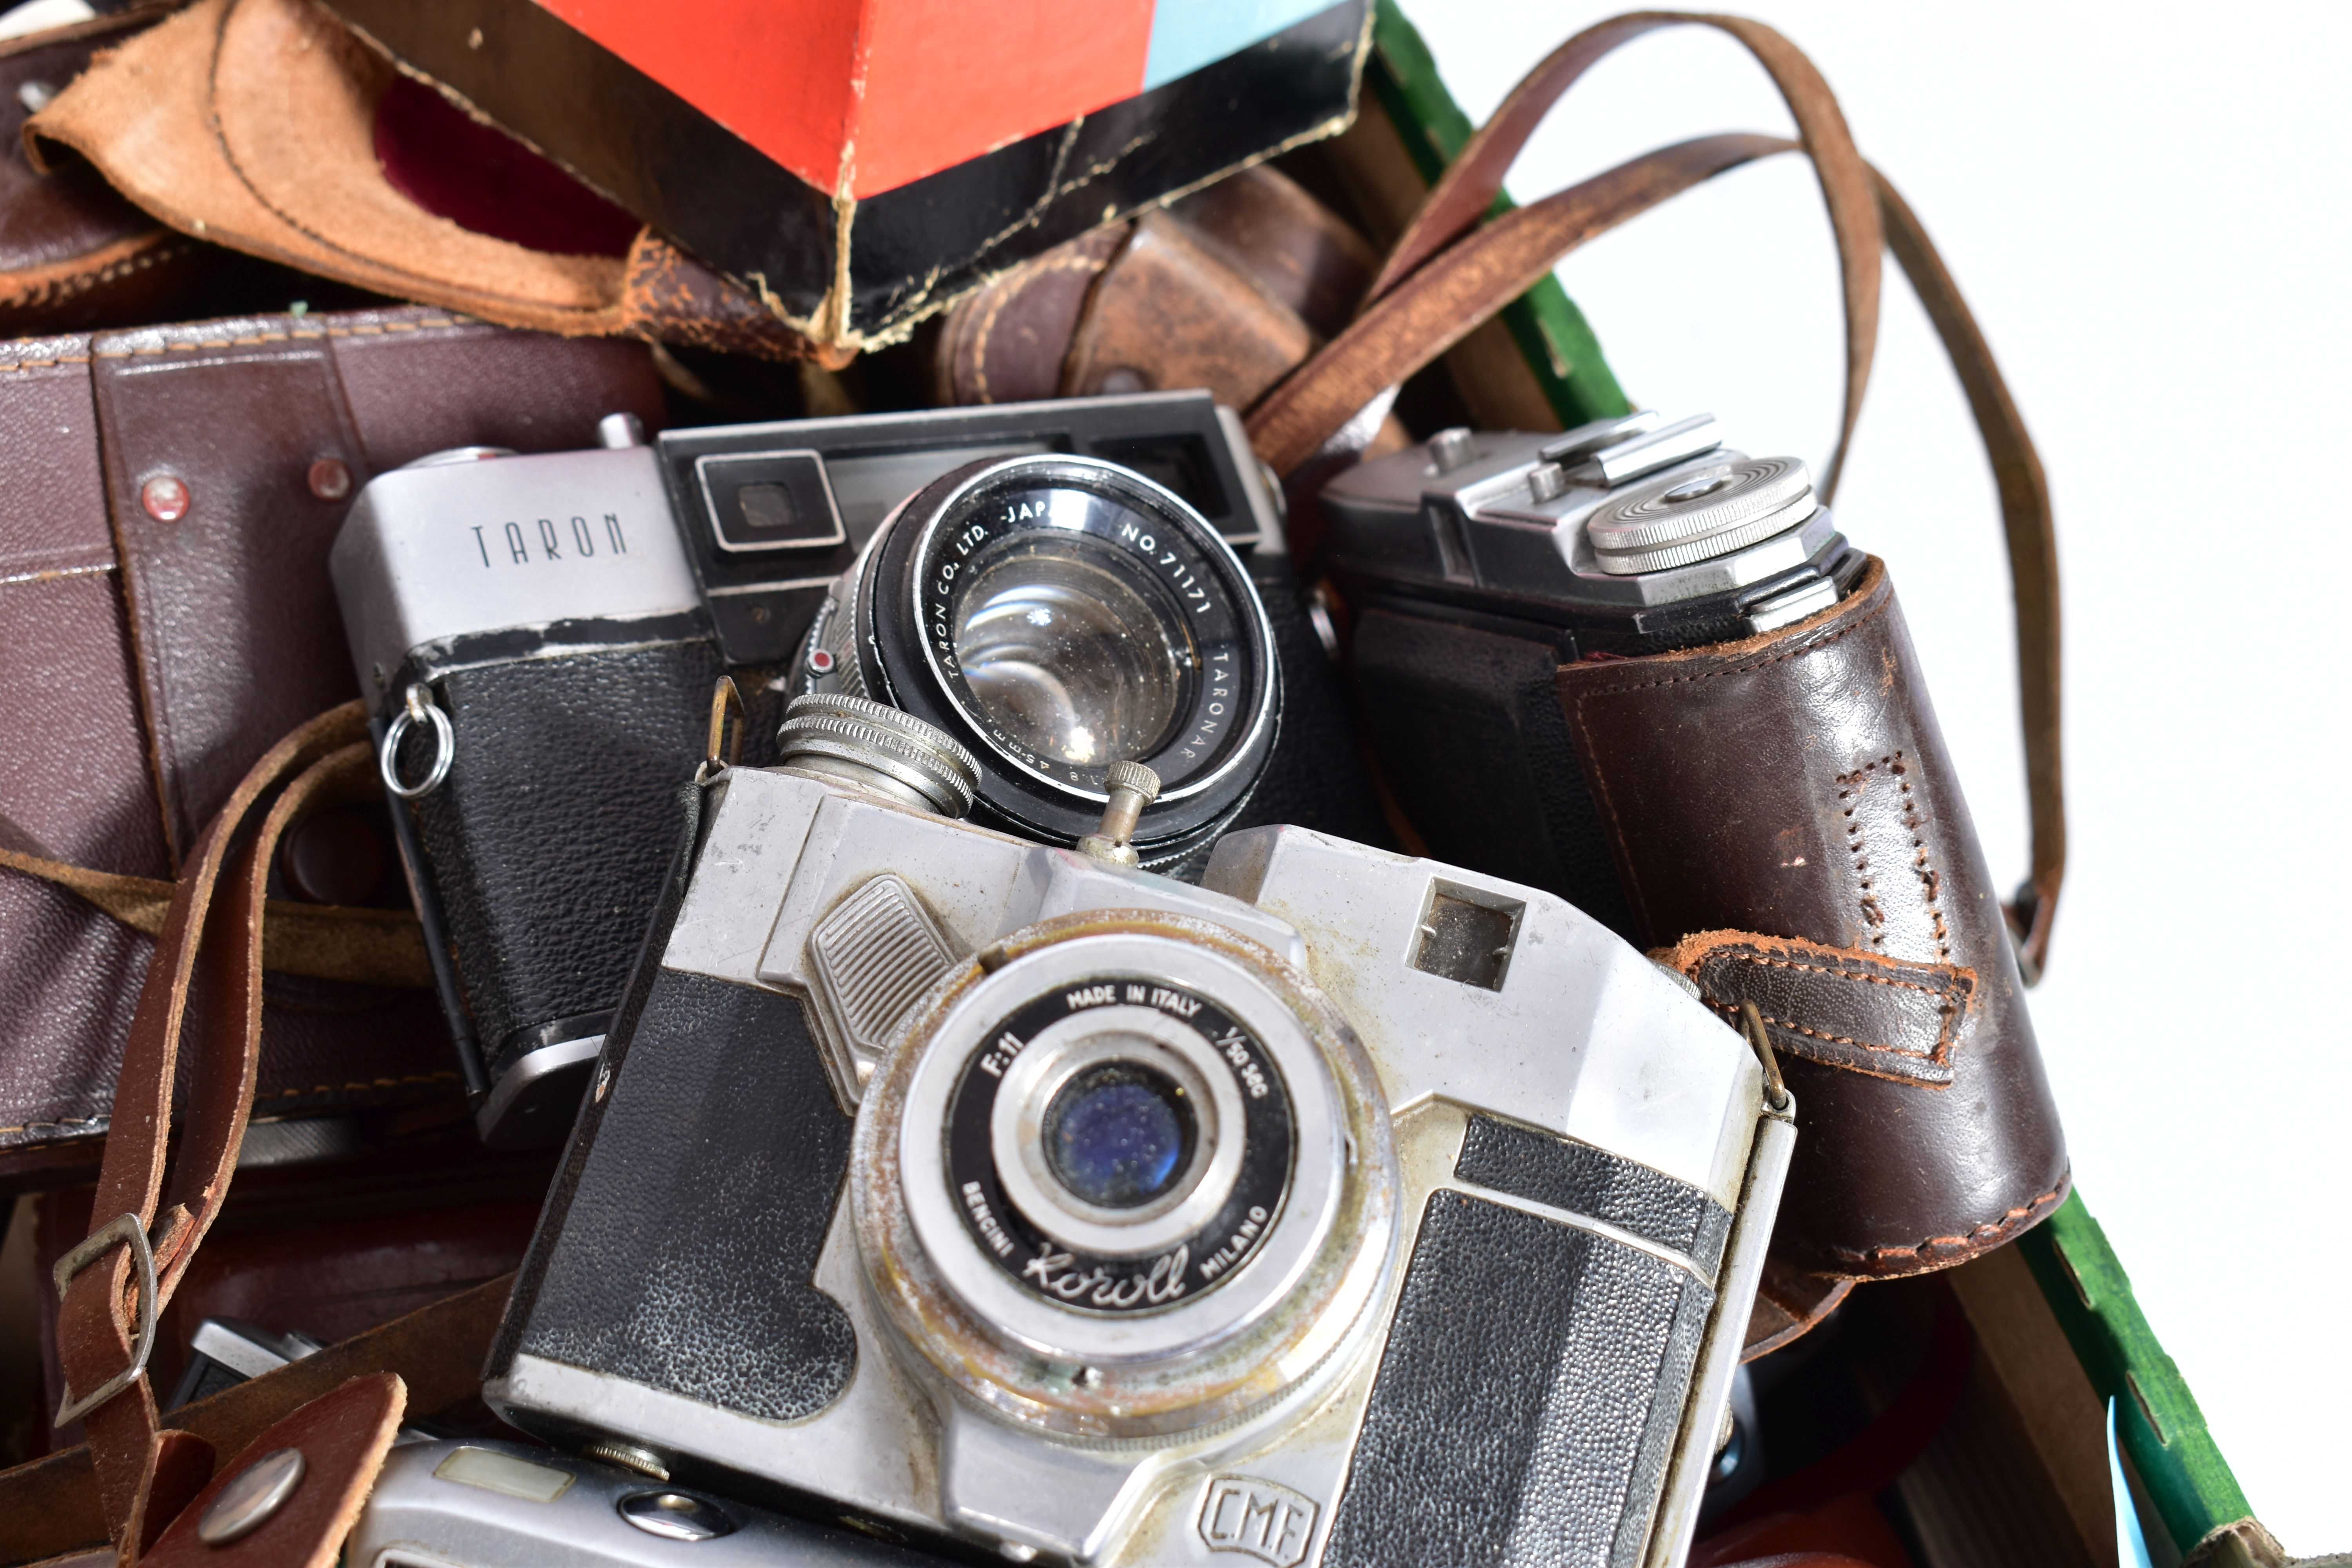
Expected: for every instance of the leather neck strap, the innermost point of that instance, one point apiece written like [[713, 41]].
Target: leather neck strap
[[50, 1507], [324, 941], [1449, 273], [1445, 299], [1468, 190], [2033, 537], [204, 983]]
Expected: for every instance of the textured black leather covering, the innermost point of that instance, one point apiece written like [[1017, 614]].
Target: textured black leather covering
[[1316, 776], [1592, 1181], [1527, 1400], [547, 844], [678, 1244], [1467, 726]]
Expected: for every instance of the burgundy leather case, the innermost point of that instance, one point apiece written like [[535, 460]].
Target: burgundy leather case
[[149, 656]]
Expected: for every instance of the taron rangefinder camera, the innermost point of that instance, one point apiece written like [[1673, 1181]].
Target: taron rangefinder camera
[[986, 1194], [1479, 564], [540, 637]]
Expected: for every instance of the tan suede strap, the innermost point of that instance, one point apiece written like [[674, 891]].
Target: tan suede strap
[[204, 986], [1463, 194], [323, 941]]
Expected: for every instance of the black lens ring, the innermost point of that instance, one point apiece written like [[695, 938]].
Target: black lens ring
[[892, 649], [1213, 1250]]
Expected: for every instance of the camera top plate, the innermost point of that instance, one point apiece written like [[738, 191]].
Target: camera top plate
[[762, 600]]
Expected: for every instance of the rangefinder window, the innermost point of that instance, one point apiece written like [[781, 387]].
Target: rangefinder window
[[867, 485], [770, 500], [1176, 463]]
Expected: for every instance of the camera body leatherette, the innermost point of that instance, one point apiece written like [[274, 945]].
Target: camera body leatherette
[[546, 847]]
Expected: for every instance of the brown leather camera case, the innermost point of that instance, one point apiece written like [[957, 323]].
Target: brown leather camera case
[[1786, 819]]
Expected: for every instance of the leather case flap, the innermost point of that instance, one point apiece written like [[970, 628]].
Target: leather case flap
[[1861, 1011]]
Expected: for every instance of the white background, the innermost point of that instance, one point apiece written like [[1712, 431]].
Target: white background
[[2148, 208]]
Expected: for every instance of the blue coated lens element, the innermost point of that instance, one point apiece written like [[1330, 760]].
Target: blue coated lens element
[[1119, 1134]]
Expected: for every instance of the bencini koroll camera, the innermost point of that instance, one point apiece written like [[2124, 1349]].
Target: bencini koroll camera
[[1479, 564], [1010, 1199], [540, 636]]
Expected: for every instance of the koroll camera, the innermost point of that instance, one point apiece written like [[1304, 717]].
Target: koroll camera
[[990, 1195], [540, 636], [1479, 564]]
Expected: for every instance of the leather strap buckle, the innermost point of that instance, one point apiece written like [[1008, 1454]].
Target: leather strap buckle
[[126, 1230]]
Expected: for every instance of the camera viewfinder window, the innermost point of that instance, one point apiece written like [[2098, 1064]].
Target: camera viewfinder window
[[762, 501], [1466, 936], [767, 509], [1177, 463]]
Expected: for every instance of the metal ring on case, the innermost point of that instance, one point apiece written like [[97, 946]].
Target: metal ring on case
[[418, 710]]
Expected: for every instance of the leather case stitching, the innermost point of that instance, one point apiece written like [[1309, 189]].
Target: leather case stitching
[[1873, 913], [1953, 995], [1979, 1238], [292, 335]]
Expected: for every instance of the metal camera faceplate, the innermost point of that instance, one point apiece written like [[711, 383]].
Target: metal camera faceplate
[[1486, 525], [1560, 1027], [1235, 1326], [785, 853], [1573, 1031], [560, 550], [487, 1501], [905, 1444]]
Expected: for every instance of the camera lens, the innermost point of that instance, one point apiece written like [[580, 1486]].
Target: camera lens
[[1119, 1134], [1059, 614], [1073, 653]]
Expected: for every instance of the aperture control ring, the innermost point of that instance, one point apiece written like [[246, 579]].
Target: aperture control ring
[[1124, 1173], [1724, 507], [879, 746]]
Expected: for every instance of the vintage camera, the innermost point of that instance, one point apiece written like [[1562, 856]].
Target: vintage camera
[[994, 1196], [1479, 564], [476, 1504], [540, 636]]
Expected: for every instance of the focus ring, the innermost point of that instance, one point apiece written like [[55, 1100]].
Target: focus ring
[[869, 735]]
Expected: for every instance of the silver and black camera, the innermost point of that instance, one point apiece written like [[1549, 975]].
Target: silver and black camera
[[998, 1196], [451, 1503], [540, 636], [1479, 564]]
